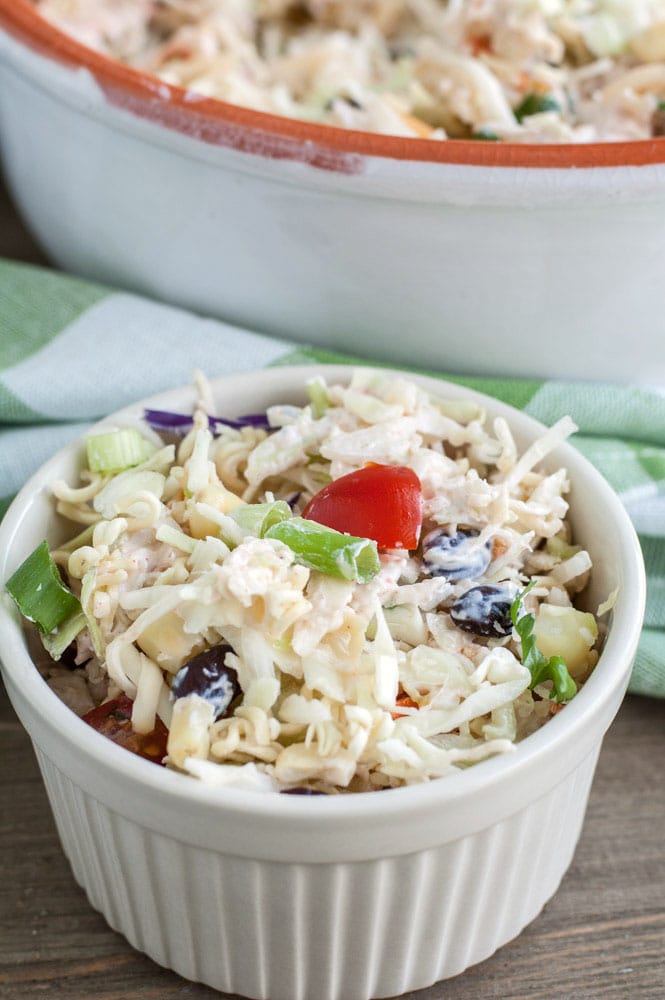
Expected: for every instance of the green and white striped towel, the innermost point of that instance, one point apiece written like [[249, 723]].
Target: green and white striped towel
[[71, 352]]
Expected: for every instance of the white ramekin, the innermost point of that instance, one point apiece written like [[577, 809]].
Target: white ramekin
[[340, 898], [459, 255]]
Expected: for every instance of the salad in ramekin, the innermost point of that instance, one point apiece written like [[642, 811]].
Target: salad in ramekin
[[371, 590]]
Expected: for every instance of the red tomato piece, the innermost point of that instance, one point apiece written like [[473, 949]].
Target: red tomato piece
[[381, 502], [113, 719]]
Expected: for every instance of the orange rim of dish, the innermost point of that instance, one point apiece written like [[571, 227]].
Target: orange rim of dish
[[275, 137]]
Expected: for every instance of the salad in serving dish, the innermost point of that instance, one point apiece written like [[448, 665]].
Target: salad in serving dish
[[516, 70], [370, 590]]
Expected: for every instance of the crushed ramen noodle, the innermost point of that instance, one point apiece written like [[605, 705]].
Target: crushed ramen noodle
[[368, 591], [529, 71]]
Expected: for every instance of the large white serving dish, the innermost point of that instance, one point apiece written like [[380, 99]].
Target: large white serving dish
[[468, 256]]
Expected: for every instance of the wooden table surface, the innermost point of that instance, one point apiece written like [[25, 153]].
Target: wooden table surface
[[601, 937]]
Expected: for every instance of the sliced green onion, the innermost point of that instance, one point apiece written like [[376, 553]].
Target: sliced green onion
[[328, 551], [117, 450], [256, 518], [39, 592], [318, 396], [56, 642], [536, 104], [557, 547]]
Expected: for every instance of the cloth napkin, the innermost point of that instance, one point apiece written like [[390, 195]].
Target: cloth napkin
[[72, 351]]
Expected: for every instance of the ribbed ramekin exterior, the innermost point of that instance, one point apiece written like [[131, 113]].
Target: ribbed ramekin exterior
[[339, 931]]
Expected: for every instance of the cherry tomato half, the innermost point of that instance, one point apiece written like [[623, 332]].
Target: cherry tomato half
[[113, 719], [382, 502]]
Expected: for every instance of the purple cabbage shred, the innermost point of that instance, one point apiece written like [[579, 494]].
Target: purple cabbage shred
[[180, 423]]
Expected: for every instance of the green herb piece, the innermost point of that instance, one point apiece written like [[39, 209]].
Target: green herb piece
[[257, 518], [564, 685], [485, 135], [39, 592], [116, 451], [536, 104], [539, 666], [328, 551]]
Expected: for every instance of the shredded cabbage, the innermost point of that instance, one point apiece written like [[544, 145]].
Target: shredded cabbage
[[529, 71], [344, 686]]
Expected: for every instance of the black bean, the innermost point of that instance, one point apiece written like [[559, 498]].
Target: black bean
[[484, 610], [457, 557], [208, 677]]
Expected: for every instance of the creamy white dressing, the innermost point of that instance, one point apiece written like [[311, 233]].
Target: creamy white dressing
[[344, 686]]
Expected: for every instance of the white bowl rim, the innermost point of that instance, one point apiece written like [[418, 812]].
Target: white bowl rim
[[565, 726]]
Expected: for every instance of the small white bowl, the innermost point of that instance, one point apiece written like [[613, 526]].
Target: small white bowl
[[490, 258], [325, 898]]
